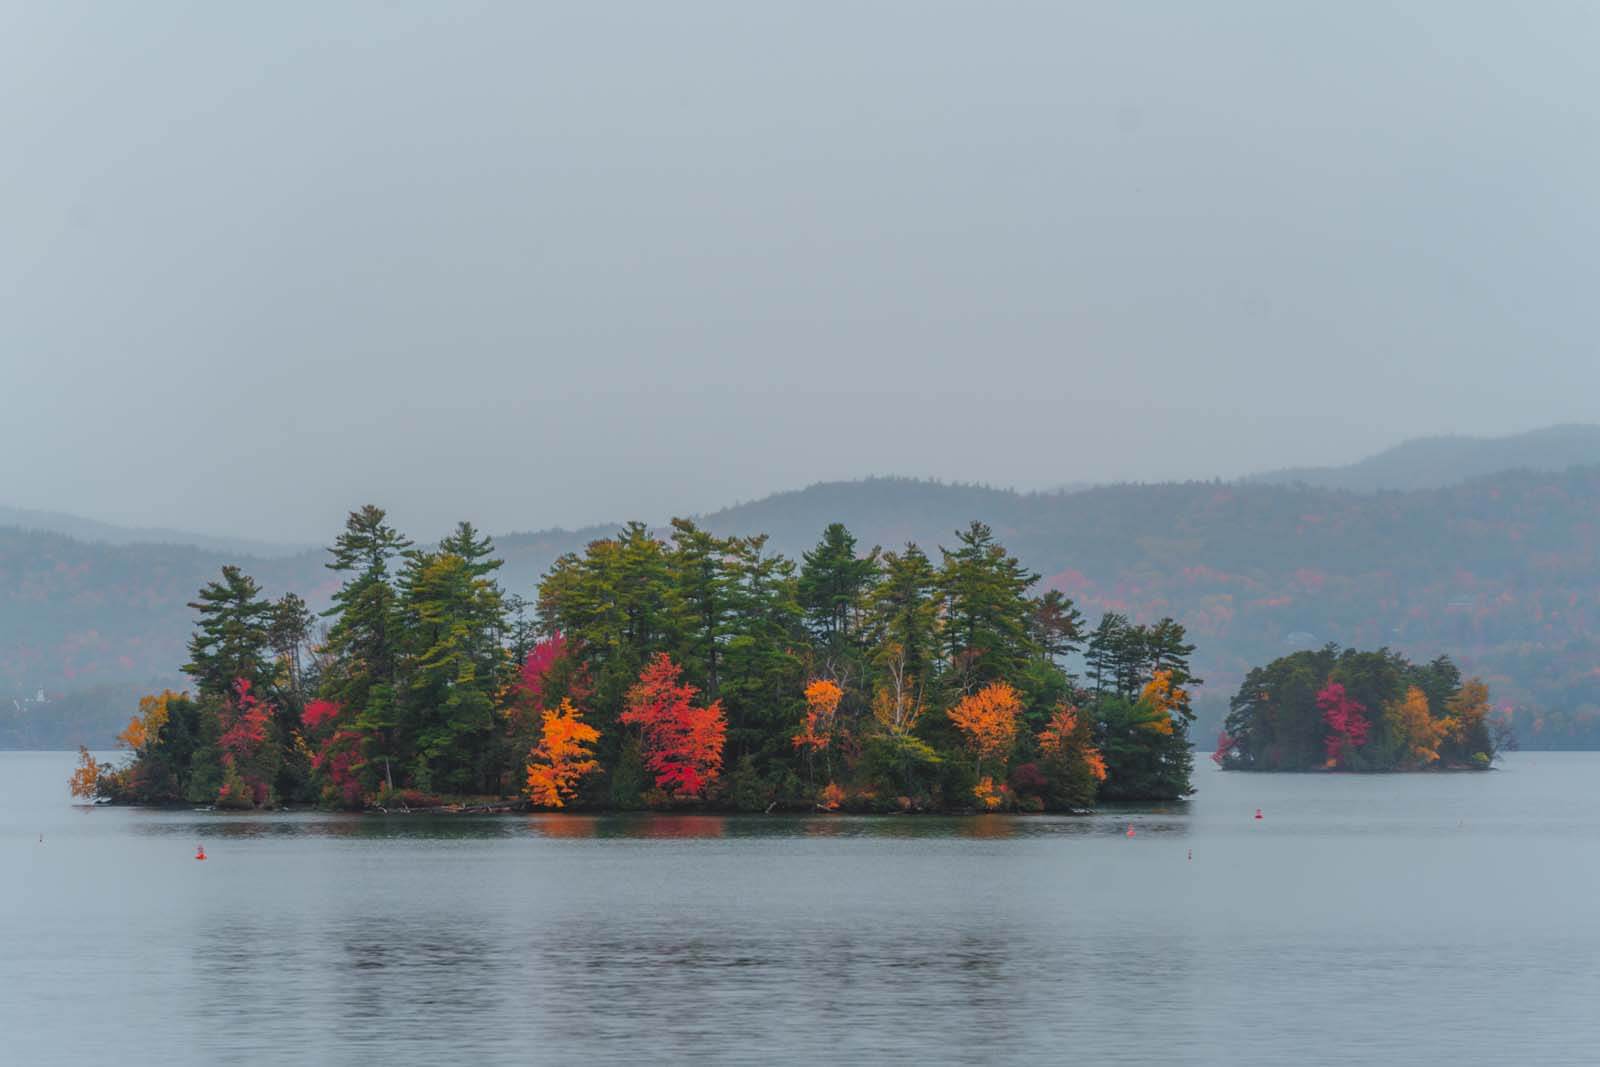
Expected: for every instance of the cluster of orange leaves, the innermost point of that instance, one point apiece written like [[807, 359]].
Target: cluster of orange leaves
[[989, 796], [562, 757], [830, 798], [145, 728], [85, 781], [822, 706], [1061, 735], [988, 718]]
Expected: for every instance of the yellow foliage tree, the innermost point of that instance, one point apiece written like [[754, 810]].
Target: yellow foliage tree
[[562, 757], [988, 718], [1162, 696], [85, 781], [1467, 726], [1410, 721], [144, 729], [897, 705]]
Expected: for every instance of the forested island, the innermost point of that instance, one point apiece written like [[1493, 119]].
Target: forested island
[[651, 672], [1346, 710], [1252, 572]]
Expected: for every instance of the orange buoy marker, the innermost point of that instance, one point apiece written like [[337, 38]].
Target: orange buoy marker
[[1258, 813], [200, 852], [1130, 829]]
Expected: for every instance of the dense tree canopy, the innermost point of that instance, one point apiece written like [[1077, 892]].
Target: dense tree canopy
[[1359, 711], [661, 671]]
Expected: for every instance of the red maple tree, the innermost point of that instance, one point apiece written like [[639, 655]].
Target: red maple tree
[[1346, 720], [542, 657], [682, 744]]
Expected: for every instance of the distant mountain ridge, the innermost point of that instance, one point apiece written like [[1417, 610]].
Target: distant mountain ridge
[[82, 529], [1419, 463], [1435, 462]]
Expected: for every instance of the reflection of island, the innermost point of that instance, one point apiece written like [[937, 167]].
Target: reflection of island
[[988, 827], [640, 825], [570, 827]]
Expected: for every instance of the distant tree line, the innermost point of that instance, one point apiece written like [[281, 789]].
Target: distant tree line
[[1252, 572], [651, 671], [1360, 711]]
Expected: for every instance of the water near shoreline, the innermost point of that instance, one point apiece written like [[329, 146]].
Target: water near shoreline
[[1397, 919]]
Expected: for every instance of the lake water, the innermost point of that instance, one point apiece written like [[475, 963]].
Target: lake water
[[1382, 920]]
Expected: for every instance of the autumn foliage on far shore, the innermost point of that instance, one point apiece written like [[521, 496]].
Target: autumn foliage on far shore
[[1349, 710]]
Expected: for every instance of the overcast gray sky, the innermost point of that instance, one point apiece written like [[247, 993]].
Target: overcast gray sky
[[537, 264]]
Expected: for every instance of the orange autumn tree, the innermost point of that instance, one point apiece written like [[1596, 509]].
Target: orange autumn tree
[[816, 729], [85, 781], [1076, 767], [681, 743], [144, 729], [988, 720], [1067, 735], [562, 757], [822, 706], [989, 795]]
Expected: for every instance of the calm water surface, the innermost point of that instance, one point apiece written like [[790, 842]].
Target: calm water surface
[[1393, 920]]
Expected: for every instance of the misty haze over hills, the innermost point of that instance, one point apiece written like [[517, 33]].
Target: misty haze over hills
[[83, 529], [1422, 463], [1432, 462], [1499, 570], [472, 258]]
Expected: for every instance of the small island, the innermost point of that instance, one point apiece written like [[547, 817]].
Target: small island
[[1346, 710], [661, 670]]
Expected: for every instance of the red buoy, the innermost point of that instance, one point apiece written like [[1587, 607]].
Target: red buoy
[[200, 852], [1258, 813], [1130, 829]]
